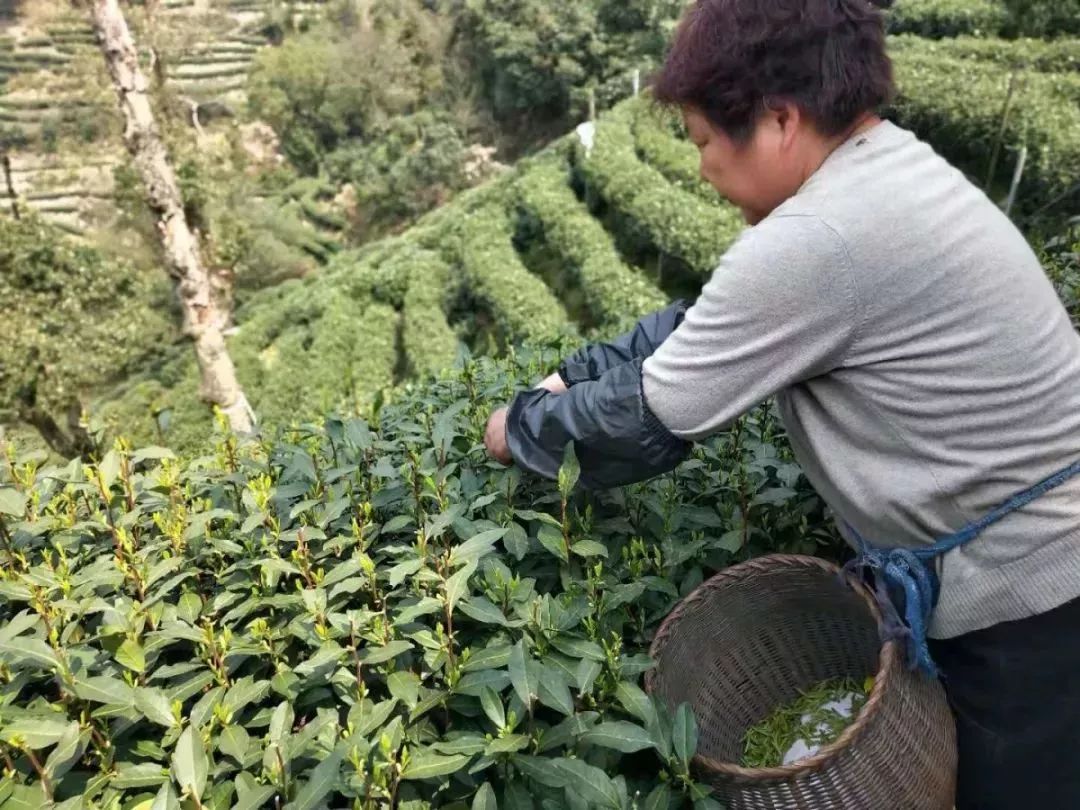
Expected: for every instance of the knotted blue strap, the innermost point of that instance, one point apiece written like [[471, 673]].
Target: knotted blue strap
[[910, 572]]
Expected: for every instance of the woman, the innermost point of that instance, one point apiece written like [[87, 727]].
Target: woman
[[924, 367]]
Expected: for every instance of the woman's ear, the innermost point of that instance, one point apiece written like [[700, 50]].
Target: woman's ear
[[789, 119]]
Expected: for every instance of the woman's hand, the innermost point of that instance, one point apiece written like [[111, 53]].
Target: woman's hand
[[495, 435], [495, 438], [554, 384]]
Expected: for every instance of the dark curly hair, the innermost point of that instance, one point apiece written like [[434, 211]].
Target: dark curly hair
[[731, 58]]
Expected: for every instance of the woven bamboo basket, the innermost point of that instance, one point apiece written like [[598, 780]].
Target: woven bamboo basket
[[749, 639]]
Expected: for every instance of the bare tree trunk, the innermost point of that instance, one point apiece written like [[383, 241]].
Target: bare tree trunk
[[206, 315]]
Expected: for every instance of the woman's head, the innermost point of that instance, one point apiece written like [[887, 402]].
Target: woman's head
[[768, 88]]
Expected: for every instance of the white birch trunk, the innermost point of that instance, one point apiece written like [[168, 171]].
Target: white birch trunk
[[205, 309]]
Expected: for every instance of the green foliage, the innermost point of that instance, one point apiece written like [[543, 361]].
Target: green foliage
[[985, 18], [957, 104], [308, 91], [677, 222], [1053, 56], [62, 332], [948, 18], [521, 304], [333, 83], [538, 59], [302, 349], [429, 343], [1061, 257], [660, 139], [363, 615], [403, 169], [616, 295], [1042, 18]]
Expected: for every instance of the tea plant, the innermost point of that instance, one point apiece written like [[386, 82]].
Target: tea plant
[[364, 615]]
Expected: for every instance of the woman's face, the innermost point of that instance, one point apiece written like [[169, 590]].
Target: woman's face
[[758, 175]]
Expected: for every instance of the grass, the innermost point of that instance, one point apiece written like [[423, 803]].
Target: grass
[[806, 718]]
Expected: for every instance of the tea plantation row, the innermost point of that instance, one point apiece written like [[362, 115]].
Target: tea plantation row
[[576, 240], [363, 614]]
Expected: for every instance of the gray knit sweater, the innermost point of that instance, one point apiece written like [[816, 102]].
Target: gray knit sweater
[[925, 369]]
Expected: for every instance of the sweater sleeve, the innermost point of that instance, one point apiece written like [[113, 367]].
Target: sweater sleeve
[[592, 361], [782, 307]]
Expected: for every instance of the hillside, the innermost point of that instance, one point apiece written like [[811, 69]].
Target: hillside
[[577, 241], [567, 243]]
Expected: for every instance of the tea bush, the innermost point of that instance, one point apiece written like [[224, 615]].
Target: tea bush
[[1061, 256], [679, 223], [521, 304], [1054, 56], [615, 294], [673, 156], [956, 105], [361, 614], [62, 332], [948, 18]]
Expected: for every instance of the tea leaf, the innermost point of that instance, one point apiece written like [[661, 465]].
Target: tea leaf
[[551, 538], [522, 676], [425, 765], [685, 734], [458, 584], [516, 541], [156, 706], [69, 750], [109, 468], [570, 471], [493, 707], [476, 547], [35, 733], [482, 609], [132, 656], [589, 548], [323, 780], [189, 765], [380, 655], [405, 686], [25, 651], [104, 689], [165, 799], [553, 691], [485, 798], [659, 799], [12, 502], [234, 742], [578, 648], [579, 778], [620, 736]]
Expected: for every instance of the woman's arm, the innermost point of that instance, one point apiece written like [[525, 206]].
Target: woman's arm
[[782, 307], [590, 362]]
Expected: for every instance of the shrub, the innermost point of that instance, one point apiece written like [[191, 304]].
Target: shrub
[[1054, 56], [1061, 257], [521, 304], [615, 294], [1041, 18], [677, 222], [319, 88], [670, 154], [948, 18], [956, 104], [364, 615], [73, 320], [429, 343], [407, 167]]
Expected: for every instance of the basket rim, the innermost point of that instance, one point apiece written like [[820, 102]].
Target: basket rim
[[889, 666]]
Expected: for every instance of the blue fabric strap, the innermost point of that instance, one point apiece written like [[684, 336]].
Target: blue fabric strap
[[909, 572]]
